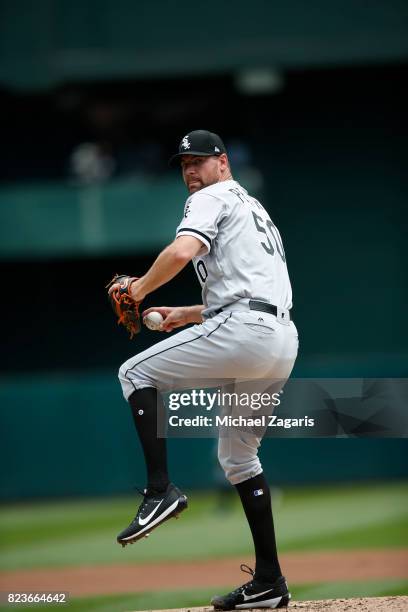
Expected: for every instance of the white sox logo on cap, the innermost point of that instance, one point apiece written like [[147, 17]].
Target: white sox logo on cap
[[199, 142], [185, 143]]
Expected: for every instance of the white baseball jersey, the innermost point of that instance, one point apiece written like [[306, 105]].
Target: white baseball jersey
[[242, 254]]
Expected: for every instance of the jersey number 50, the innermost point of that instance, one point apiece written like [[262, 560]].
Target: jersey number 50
[[274, 234]]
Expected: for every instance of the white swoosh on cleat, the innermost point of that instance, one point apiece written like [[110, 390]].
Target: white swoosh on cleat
[[271, 603], [248, 597], [151, 515], [156, 521]]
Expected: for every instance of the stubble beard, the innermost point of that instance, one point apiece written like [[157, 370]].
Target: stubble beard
[[204, 184]]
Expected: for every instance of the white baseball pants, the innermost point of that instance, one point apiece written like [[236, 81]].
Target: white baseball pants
[[235, 344]]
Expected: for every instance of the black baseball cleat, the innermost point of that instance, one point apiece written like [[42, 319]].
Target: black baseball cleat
[[153, 511], [254, 594]]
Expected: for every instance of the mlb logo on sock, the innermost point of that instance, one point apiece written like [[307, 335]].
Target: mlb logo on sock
[[258, 492]]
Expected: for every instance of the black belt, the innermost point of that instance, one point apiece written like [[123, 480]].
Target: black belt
[[263, 307], [256, 305]]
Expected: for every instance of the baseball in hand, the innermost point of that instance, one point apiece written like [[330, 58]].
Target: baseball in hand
[[153, 320]]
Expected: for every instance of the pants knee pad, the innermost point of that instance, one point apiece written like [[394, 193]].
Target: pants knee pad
[[239, 459]]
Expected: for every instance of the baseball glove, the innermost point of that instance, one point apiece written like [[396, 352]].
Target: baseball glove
[[123, 305]]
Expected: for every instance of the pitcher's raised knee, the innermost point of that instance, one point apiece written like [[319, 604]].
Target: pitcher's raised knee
[[132, 378]]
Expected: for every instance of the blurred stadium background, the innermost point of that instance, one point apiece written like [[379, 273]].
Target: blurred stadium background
[[311, 101]]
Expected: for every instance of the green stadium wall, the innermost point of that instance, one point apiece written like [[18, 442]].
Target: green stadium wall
[[73, 435]]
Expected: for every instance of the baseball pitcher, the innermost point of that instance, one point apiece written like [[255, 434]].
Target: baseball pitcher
[[242, 330]]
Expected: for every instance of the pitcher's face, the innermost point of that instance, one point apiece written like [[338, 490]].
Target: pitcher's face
[[200, 171]]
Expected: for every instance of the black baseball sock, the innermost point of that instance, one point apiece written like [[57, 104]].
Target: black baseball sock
[[256, 501], [145, 404]]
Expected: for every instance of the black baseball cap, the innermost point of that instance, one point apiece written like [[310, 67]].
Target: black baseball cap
[[199, 142]]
